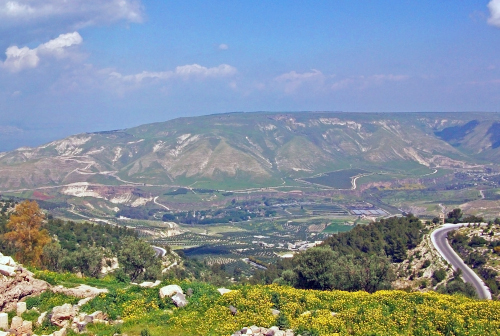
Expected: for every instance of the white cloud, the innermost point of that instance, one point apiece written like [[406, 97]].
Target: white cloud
[[184, 72], [58, 45], [24, 58], [494, 7], [222, 70], [223, 46], [20, 58], [293, 80], [76, 13]]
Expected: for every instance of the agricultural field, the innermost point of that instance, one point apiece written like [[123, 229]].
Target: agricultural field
[[341, 179]]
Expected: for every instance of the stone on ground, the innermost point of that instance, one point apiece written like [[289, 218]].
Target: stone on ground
[[82, 291], [149, 284], [179, 300], [20, 308], [4, 321], [62, 315], [170, 290], [223, 291]]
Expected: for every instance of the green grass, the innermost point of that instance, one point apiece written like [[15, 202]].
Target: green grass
[[336, 228]]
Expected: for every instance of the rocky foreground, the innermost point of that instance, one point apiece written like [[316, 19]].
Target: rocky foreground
[[16, 283]]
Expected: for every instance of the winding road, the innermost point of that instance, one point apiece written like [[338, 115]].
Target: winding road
[[160, 252], [440, 241]]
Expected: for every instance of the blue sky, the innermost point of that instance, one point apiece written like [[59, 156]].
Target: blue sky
[[72, 66]]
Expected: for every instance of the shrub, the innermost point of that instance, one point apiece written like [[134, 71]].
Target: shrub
[[282, 322], [439, 275]]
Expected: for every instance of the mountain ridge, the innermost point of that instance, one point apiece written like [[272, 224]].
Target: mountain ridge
[[260, 146]]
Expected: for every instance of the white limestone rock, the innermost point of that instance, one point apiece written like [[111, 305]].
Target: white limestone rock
[[179, 300], [223, 291], [4, 321], [16, 323], [149, 284], [170, 290], [20, 308]]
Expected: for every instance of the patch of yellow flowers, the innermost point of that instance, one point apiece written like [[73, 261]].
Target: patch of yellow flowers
[[343, 313]]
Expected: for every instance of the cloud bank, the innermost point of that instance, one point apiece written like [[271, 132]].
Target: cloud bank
[[24, 58], [494, 7], [75, 13]]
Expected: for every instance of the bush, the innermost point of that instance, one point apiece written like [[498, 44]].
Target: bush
[[426, 263], [477, 241], [282, 322], [439, 275]]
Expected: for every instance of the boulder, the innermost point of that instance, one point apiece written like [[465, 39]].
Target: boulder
[[82, 291], [15, 288], [189, 292], [223, 291], [40, 319], [4, 333], [255, 329], [149, 284], [61, 315], [4, 321], [170, 290], [7, 270], [26, 328], [275, 312], [16, 323], [233, 310], [7, 261], [179, 300], [20, 308]]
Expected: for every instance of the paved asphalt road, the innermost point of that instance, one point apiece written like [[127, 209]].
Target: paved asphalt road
[[160, 252], [440, 241]]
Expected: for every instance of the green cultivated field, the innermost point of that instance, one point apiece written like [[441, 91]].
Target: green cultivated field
[[341, 179]]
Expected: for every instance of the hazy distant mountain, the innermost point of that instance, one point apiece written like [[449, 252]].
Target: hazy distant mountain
[[259, 147]]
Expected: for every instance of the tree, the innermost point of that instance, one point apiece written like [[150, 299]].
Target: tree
[[87, 261], [52, 256], [315, 268], [26, 233], [139, 259], [368, 273], [455, 215]]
